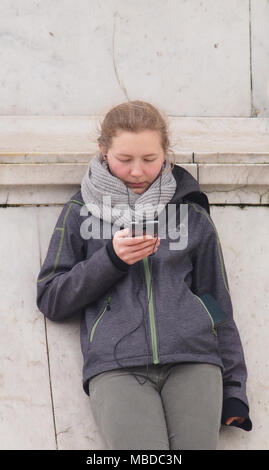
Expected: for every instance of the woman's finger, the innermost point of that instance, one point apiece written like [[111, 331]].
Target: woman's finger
[[137, 240], [235, 418], [126, 239], [140, 254], [141, 246]]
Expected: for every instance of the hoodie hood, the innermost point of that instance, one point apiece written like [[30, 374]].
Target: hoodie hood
[[188, 189]]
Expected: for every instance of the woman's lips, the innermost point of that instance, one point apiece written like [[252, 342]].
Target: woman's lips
[[136, 185]]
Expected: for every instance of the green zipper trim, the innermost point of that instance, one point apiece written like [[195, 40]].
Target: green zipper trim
[[77, 202], [60, 229], [212, 321], [151, 313], [99, 318]]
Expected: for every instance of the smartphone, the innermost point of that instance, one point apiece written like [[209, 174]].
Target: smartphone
[[149, 227]]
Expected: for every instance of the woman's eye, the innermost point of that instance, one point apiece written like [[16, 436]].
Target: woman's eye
[[147, 161]]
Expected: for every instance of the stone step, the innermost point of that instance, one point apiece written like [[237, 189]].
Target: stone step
[[43, 158]]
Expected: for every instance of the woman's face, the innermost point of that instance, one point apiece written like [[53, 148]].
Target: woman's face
[[136, 158]]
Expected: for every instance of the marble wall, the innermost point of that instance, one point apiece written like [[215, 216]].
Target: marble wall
[[62, 64], [43, 405], [191, 58]]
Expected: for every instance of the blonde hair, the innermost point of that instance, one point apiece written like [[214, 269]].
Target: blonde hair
[[135, 116]]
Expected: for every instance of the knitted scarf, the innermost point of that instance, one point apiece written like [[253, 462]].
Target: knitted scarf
[[108, 198]]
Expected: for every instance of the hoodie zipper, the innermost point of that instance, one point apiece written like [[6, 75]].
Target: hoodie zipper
[[107, 307], [212, 321], [151, 313]]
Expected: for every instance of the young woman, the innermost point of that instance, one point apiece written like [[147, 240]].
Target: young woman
[[163, 360]]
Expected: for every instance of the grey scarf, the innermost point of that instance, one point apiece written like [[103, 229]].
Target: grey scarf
[[108, 198]]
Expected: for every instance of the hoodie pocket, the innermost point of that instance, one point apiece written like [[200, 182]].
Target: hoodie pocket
[[216, 314], [99, 318]]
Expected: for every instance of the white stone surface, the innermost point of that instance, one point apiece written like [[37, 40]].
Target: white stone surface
[[25, 385], [230, 194], [234, 174], [36, 194], [26, 419], [54, 184], [42, 173], [259, 14], [43, 159], [71, 138], [45, 183], [242, 137], [179, 55], [50, 173], [243, 234], [74, 138], [48, 134], [231, 157]]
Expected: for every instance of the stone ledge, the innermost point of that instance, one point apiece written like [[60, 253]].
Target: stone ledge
[[42, 158], [72, 134]]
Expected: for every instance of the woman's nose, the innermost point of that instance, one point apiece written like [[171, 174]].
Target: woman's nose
[[136, 170]]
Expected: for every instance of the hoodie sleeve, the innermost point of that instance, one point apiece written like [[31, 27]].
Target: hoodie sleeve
[[68, 282], [209, 280]]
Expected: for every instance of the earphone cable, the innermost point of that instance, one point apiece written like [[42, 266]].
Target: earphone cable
[[143, 314]]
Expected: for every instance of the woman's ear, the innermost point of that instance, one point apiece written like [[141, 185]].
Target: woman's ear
[[102, 150]]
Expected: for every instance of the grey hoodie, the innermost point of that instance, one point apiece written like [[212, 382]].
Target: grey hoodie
[[189, 316]]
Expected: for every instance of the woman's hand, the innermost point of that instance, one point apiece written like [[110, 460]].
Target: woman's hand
[[235, 418], [133, 249]]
